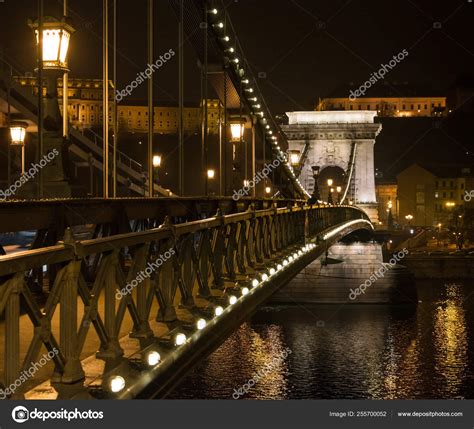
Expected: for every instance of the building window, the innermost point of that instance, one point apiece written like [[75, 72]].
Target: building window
[[436, 184], [452, 184], [426, 107], [436, 194], [444, 183], [368, 106], [444, 194], [412, 106]]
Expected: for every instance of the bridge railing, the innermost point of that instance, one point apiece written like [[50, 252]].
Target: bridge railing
[[101, 282]]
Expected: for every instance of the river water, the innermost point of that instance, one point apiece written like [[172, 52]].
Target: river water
[[348, 351]]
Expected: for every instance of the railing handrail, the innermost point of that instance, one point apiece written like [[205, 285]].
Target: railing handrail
[[120, 154], [61, 252]]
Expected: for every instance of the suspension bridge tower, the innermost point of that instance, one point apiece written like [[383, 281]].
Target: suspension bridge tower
[[336, 140]]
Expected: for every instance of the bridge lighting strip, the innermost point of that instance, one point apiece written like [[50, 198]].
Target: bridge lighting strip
[[280, 266], [219, 25], [340, 228], [117, 383]]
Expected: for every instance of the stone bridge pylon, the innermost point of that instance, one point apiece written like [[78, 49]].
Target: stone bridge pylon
[[344, 139]]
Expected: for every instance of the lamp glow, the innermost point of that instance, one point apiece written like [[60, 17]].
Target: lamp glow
[[218, 311], [294, 157], [153, 358], [255, 283], [18, 133], [211, 173], [237, 131], [116, 383], [56, 36], [272, 271], [264, 277], [232, 300], [156, 160], [279, 267], [179, 340], [245, 291], [201, 324]]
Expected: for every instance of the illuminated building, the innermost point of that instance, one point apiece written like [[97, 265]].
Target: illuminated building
[[432, 196], [85, 110]]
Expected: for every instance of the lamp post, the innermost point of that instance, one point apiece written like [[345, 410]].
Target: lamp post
[[211, 173], [53, 48], [409, 218], [18, 134], [338, 189], [389, 215], [55, 40], [156, 162], [236, 136], [330, 191]]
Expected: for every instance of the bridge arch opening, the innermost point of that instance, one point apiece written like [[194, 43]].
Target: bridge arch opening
[[338, 176]]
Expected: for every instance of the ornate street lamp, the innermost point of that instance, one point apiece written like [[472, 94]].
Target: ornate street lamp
[[56, 34], [338, 189], [237, 131], [330, 191], [18, 134], [268, 189], [294, 156], [211, 173], [157, 161]]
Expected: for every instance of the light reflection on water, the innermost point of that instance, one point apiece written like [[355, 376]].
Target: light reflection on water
[[361, 351]]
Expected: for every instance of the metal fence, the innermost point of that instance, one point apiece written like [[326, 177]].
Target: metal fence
[[196, 258]]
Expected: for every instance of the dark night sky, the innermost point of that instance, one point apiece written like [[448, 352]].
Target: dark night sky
[[307, 48]]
